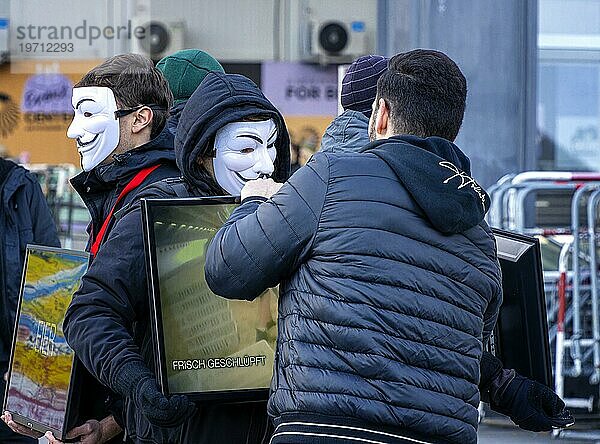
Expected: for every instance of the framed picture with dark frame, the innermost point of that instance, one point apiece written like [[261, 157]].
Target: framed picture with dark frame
[[207, 347], [43, 388], [520, 339]]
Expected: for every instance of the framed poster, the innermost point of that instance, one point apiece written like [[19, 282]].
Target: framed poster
[[40, 384], [207, 347], [520, 339]]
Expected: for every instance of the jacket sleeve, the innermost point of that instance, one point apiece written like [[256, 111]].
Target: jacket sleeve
[[44, 229], [490, 317], [113, 296], [263, 243]]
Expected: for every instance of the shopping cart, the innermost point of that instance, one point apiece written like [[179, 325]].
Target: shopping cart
[[562, 209]]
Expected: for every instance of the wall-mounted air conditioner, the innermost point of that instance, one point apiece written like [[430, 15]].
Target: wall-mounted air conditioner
[[159, 38], [335, 41], [3, 39]]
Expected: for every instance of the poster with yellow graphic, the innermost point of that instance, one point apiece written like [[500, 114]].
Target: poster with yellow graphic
[[41, 361]]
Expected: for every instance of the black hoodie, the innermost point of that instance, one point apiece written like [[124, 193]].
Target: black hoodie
[[221, 99], [437, 174]]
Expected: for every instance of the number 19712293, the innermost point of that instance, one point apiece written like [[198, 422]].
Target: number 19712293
[[46, 47]]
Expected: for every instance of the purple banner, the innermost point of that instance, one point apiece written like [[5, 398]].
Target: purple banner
[[300, 88], [47, 94]]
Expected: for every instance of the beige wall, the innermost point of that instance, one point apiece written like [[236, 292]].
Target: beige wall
[[42, 135]]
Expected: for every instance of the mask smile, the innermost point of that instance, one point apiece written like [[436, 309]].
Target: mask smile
[[240, 177], [83, 144]]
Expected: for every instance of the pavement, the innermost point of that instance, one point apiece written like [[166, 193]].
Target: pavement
[[499, 434], [503, 433]]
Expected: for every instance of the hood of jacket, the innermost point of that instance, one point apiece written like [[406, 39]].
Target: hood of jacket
[[437, 174], [8, 184], [348, 132], [174, 115], [221, 99], [126, 165]]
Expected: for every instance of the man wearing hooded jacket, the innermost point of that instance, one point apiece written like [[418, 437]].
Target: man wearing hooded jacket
[[121, 107], [219, 101], [391, 285], [25, 219]]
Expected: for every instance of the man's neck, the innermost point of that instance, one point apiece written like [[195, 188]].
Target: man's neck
[[122, 150]]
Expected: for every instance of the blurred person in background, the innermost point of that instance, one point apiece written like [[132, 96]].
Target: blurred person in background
[[350, 130], [185, 70], [392, 285], [25, 219]]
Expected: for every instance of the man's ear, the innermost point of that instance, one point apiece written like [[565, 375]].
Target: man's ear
[[382, 119], [141, 119]]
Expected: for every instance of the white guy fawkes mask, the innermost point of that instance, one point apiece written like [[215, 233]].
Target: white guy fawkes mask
[[244, 151], [94, 126]]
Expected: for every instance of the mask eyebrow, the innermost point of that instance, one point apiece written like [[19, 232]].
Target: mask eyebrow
[[253, 137], [83, 100]]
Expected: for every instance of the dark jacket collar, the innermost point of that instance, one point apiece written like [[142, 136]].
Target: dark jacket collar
[[126, 165], [6, 168]]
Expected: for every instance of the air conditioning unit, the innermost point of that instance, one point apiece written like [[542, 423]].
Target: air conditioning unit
[[159, 38], [3, 40], [333, 41]]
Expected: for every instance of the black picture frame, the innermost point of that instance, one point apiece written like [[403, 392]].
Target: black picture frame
[[72, 411], [520, 339], [151, 211]]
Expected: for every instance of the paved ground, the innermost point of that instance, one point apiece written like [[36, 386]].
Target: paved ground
[[500, 434]]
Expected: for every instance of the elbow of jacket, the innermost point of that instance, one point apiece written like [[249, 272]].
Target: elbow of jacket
[[226, 288], [216, 285], [67, 329]]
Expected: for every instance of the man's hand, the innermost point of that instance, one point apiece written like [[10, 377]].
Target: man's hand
[[136, 382], [88, 433], [160, 410], [91, 432], [261, 188], [531, 405], [17, 428]]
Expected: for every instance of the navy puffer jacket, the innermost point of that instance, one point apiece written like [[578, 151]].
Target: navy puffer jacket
[[389, 286], [24, 219]]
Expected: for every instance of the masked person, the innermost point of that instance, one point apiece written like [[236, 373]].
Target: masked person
[[228, 134], [391, 285], [121, 107]]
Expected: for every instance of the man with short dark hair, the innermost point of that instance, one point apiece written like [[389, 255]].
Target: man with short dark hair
[[390, 284], [121, 108]]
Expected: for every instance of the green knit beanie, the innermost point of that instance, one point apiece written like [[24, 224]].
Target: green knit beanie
[[185, 69]]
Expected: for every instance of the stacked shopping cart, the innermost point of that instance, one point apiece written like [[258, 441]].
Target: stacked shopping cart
[[562, 210]]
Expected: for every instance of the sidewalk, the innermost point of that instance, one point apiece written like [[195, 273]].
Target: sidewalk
[[500, 434]]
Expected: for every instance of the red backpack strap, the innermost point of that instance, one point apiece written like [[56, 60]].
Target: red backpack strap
[[137, 180]]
